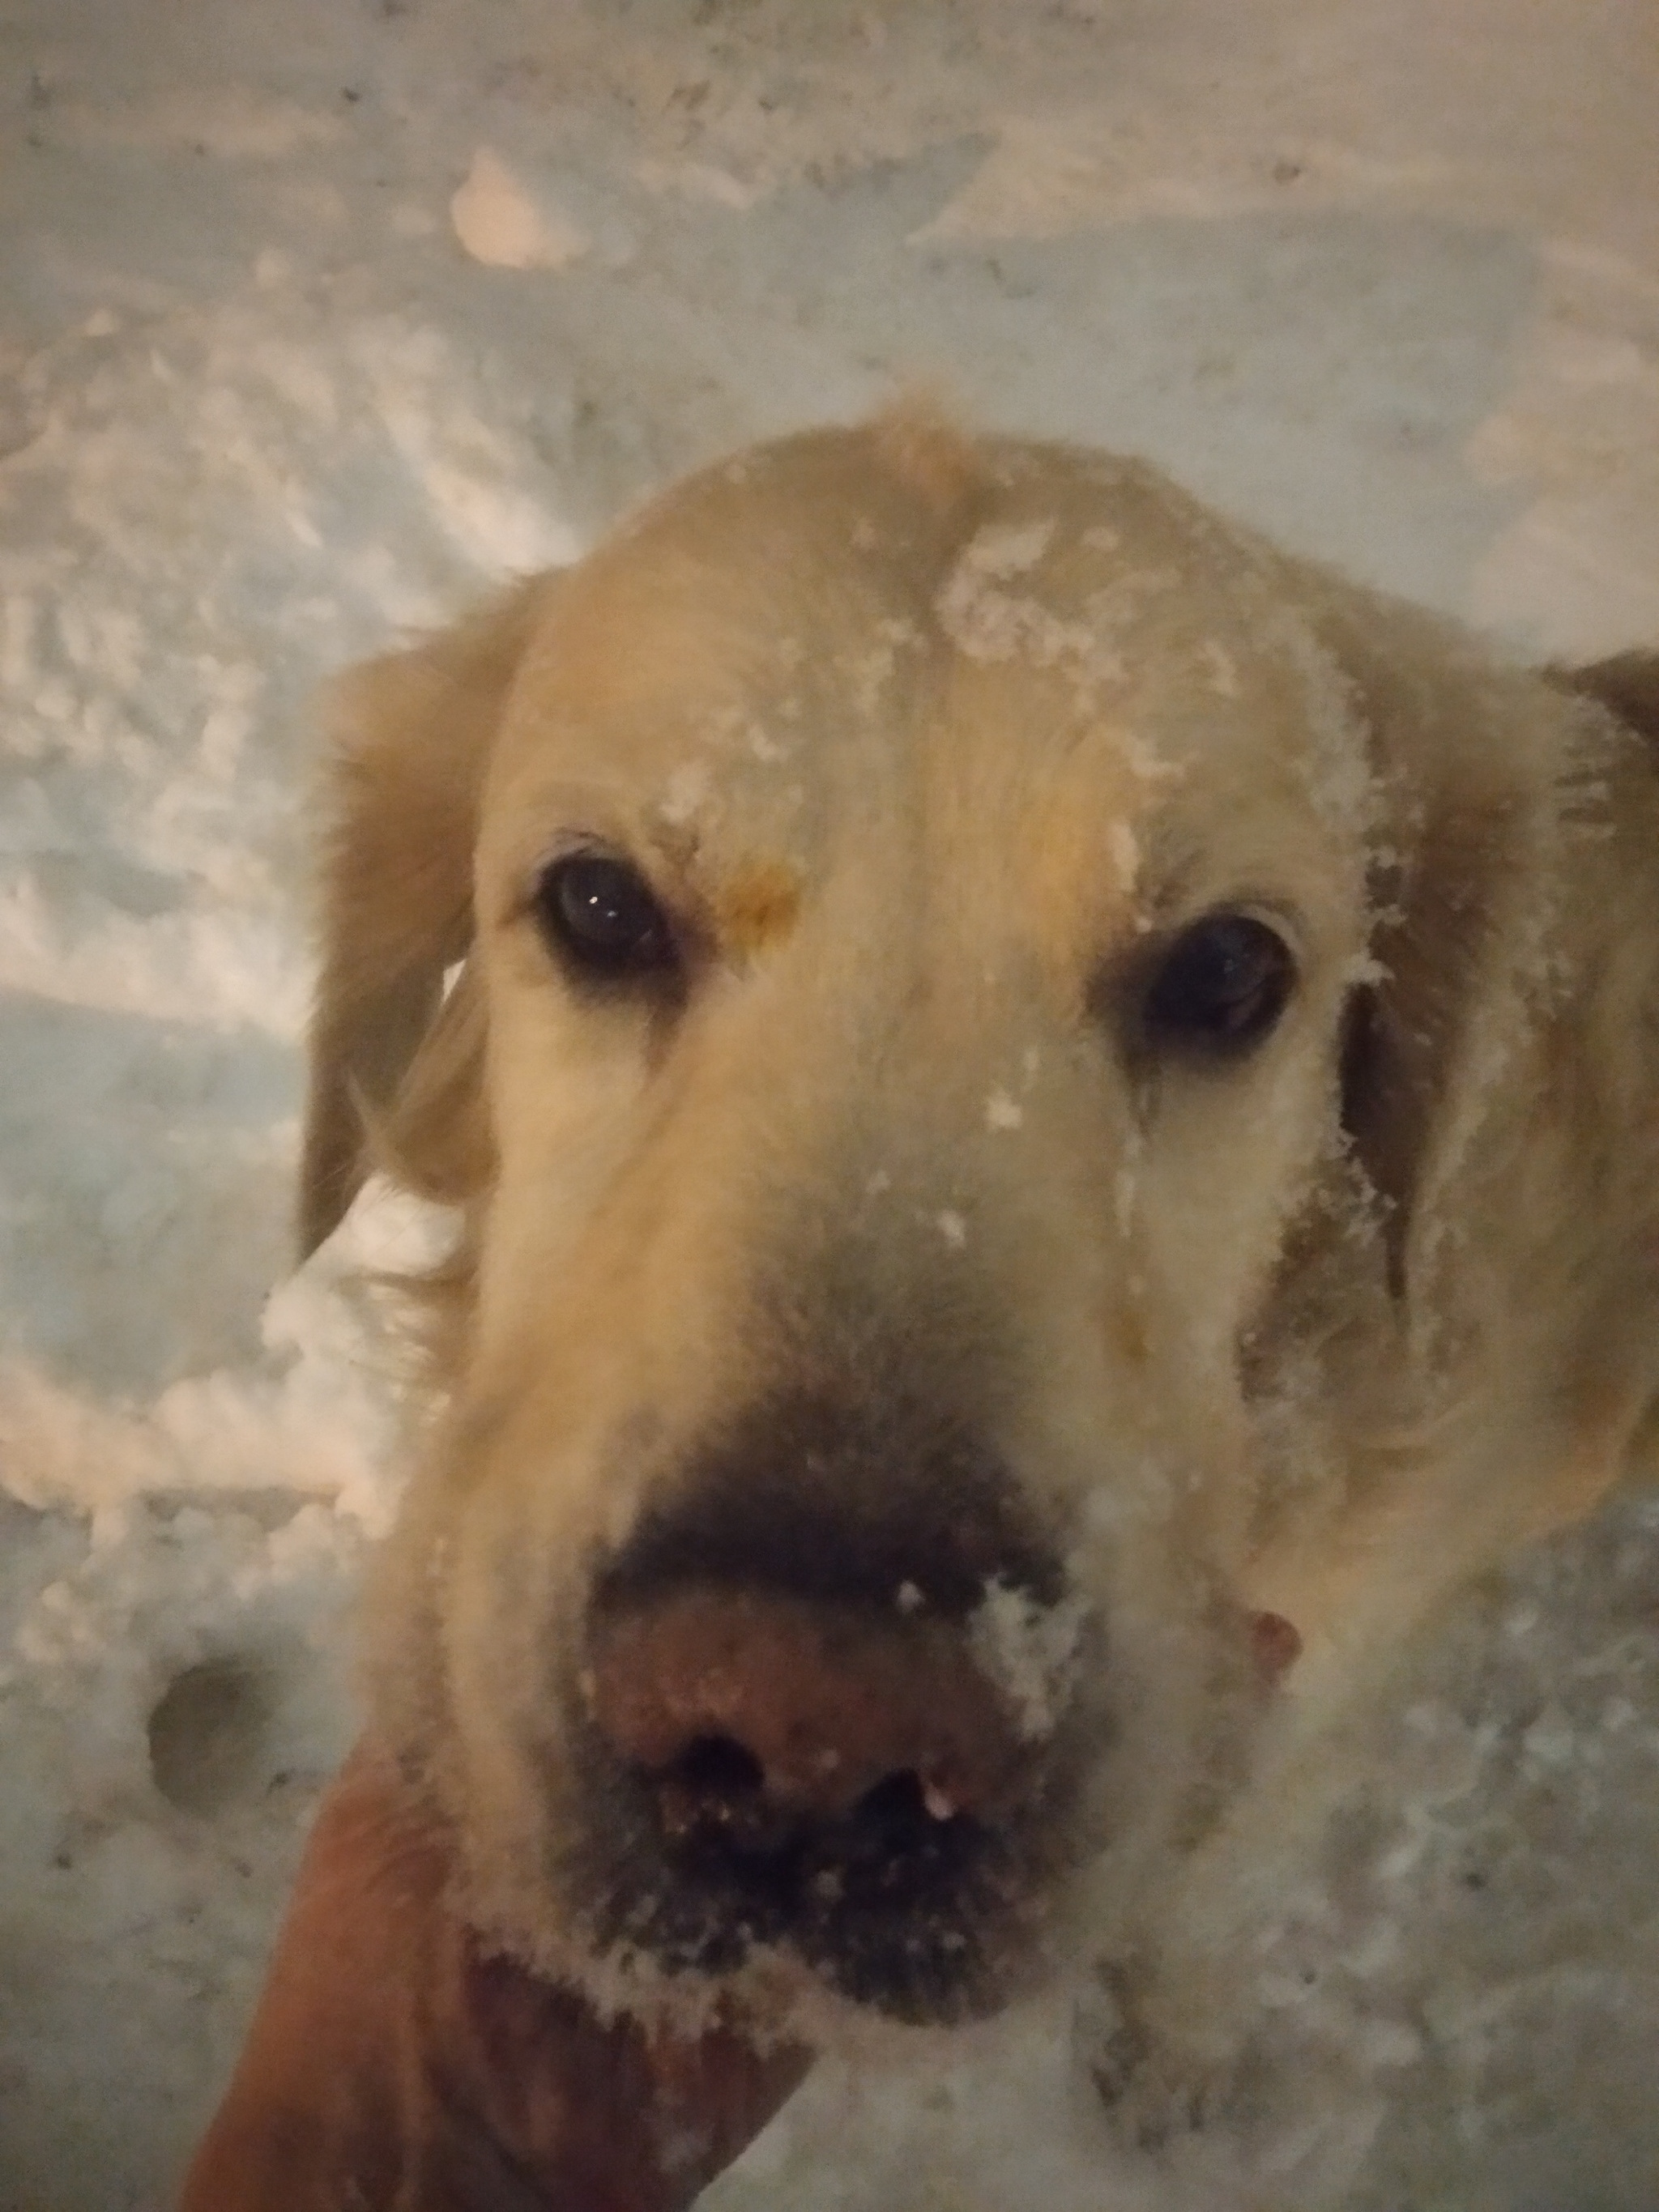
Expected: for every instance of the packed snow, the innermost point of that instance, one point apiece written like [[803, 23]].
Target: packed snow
[[316, 318]]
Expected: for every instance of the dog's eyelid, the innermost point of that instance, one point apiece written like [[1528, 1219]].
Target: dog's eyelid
[[522, 885], [1277, 913], [667, 862], [1125, 969]]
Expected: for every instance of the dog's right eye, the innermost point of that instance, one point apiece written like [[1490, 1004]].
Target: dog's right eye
[[603, 916], [1223, 985]]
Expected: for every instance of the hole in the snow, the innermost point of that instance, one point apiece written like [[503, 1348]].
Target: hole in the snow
[[207, 1735]]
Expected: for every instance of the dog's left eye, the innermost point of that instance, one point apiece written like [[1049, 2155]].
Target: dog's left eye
[[603, 917], [1223, 985]]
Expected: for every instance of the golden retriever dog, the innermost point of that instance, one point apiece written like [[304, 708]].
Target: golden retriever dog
[[1053, 1118]]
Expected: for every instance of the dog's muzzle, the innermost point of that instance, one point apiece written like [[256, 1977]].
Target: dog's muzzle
[[835, 1720]]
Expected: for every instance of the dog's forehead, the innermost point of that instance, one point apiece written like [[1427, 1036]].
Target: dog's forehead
[[1052, 645]]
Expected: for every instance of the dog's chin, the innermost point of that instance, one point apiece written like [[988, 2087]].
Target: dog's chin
[[836, 1994], [959, 1953], [914, 1920]]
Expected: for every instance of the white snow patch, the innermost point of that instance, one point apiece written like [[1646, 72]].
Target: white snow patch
[[499, 222], [686, 794], [987, 623], [1028, 1650]]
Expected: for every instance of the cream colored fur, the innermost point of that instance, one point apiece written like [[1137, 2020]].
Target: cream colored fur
[[933, 741]]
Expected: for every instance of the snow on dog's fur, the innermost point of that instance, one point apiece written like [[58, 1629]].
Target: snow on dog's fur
[[948, 985]]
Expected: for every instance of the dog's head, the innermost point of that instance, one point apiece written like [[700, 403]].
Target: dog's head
[[943, 980]]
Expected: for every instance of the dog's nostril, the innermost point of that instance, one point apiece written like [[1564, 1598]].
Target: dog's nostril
[[902, 1820], [904, 1802], [718, 1767], [715, 1793]]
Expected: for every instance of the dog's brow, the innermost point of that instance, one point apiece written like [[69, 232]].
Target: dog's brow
[[756, 905]]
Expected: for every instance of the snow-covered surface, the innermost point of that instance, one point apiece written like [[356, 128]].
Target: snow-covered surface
[[314, 318]]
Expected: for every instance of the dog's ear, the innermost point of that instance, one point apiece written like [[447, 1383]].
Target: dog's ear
[[1515, 925], [1627, 685], [410, 737]]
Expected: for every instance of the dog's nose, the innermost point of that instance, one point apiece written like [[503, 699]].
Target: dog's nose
[[760, 1719]]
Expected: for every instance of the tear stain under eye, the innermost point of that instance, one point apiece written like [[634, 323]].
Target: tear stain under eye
[[756, 905]]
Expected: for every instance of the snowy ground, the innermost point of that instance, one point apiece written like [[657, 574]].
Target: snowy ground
[[1384, 277]]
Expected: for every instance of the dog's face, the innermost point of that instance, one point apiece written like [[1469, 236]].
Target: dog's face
[[918, 900]]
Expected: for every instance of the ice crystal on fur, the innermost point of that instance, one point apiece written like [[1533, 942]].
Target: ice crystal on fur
[[1028, 1649]]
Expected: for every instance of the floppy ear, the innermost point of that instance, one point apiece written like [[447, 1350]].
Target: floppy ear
[[1463, 811], [1504, 1057], [1500, 1094], [1627, 685], [410, 737]]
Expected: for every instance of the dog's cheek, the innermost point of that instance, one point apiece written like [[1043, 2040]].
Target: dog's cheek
[[1234, 1168], [565, 1095], [506, 1591], [1175, 1728]]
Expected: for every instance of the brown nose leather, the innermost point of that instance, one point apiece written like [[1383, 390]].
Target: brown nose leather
[[805, 1706]]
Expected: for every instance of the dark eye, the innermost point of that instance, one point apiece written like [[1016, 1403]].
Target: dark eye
[[1223, 985], [603, 915]]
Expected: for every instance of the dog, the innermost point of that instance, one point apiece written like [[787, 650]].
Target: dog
[[1052, 1116]]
